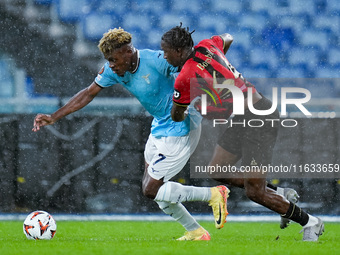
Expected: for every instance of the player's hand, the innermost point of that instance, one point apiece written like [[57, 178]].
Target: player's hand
[[42, 120]]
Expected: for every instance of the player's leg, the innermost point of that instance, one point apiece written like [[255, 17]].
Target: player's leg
[[259, 144], [166, 157], [222, 157], [176, 210]]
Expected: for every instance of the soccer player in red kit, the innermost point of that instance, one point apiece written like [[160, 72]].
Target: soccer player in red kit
[[202, 67]]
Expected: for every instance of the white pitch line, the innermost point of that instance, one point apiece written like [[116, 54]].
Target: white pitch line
[[157, 217]]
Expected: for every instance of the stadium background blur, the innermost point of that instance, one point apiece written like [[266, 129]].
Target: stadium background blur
[[92, 159]]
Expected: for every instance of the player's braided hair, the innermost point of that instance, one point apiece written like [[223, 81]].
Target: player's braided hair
[[114, 39], [178, 37]]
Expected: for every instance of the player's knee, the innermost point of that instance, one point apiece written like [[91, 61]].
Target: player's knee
[[148, 192]]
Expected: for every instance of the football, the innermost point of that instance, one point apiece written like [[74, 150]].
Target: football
[[39, 225]]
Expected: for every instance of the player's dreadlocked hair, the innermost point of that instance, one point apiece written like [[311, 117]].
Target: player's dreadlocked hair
[[178, 37], [113, 39]]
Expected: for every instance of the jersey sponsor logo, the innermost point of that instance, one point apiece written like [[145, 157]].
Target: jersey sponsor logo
[[146, 78], [177, 94]]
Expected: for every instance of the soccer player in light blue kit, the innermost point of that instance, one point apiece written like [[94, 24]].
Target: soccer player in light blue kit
[[149, 77]]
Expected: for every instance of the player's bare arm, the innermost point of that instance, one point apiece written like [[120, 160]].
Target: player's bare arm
[[78, 101], [228, 39], [178, 112]]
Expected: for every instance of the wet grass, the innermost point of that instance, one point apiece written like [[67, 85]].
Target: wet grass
[[117, 237]]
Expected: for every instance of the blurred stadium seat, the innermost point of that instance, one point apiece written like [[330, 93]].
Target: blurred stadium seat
[[302, 7], [43, 1], [334, 57], [95, 25], [264, 56], [261, 5], [279, 38], [169, 20], [301, 36], [262, 30], [153, 38], [217, 24], [6, 80], [315, 38], [333, 7], [195, 6], [298, 71], [114, 6], [132, 22], [231, 6], [303, 55], [255, 21], [71, 11]]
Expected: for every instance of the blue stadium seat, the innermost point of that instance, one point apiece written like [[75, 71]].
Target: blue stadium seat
[[169, 20], [47, 2], [333, 7], [297, 23], [95, 24], [113, 6], [249, 72], [261, 5], [154, 38], [254, 21], [264, 56], [6, 80], [194, 6], [327, 22], [71, 11], [280, 9], [334, 57], [238, 56], [280, 38], [298, 71], [201, 34], [315, 38], [140, 39], [216, 23], [242, 37], [131, 21], [328, 72], [230, 6], [303, 55], [302, 7], [149, 7]]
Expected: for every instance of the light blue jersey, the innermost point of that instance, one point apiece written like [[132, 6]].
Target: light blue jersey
[[153, 85]]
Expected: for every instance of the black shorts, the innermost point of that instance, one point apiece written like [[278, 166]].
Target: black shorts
[[251, 136]]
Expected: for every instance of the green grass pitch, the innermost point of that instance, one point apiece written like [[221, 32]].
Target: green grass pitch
[[119, 237]]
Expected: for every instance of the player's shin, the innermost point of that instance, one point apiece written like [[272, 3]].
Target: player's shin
[[174, 192], [180, 214]]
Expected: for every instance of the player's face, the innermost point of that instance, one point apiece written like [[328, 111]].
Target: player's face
[[120, 60], [173, 56]]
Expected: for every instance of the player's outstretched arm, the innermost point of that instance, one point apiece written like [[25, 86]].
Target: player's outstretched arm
[[78, 101], [228, 39], [178, 112]]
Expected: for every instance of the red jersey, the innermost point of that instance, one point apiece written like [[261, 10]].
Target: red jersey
[[209, 66]]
